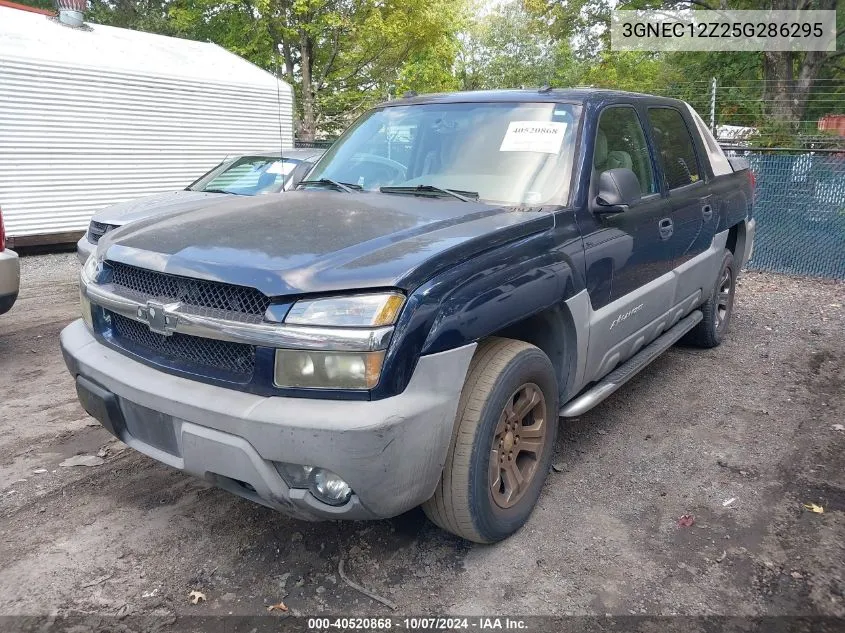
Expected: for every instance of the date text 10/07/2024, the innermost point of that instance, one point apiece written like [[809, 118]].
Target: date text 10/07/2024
[[417, 624]]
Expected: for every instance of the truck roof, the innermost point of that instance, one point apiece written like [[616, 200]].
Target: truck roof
[[569, 95]]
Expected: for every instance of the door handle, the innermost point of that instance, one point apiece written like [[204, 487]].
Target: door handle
[[666, 228], [707, 212]]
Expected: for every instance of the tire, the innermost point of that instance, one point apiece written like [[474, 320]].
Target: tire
[[718, 308], [503, 373]]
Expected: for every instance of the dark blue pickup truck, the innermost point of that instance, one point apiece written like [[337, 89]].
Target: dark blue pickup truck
[[455, 273]]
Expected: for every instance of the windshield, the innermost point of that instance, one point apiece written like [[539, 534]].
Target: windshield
[[248, 176], [506, 153]]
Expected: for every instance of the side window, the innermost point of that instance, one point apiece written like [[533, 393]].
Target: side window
[[620, 142], [675, 149]]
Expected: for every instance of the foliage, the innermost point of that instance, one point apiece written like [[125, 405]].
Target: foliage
[[38, 4], [142, 15], [508, 47]]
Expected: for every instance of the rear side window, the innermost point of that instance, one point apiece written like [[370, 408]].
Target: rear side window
[[675, 149], [620, 142]]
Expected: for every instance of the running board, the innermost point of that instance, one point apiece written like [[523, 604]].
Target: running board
[[630, 368]]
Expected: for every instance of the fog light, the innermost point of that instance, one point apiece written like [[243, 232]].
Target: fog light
[[329, 488], [323, 484]]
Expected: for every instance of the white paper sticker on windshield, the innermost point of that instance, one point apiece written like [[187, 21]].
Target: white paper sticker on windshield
[[280, 167], [534, 136]]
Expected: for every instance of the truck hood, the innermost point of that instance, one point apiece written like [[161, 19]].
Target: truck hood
[[320, 241], [159, 204]]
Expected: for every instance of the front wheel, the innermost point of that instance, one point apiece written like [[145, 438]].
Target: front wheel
[[502, 443], [717, 310]]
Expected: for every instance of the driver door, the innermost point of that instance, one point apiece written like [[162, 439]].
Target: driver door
[[625, 252]]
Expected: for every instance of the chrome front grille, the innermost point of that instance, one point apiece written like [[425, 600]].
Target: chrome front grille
[[227, 301], [235, 360]]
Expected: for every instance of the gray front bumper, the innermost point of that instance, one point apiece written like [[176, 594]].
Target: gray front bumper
[[10, 279], [391, 451]]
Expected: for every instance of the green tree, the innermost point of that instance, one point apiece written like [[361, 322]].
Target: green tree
[[509, 47], [38, 4], [345, 54], [783, 92], [141, 15]]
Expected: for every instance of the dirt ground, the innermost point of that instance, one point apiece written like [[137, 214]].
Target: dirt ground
[[757, 421]]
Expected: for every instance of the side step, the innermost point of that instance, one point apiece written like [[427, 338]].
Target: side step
[[630, 368]]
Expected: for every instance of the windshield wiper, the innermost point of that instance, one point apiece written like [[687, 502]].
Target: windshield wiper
[[348, 187], [231, 193], [466, 196]]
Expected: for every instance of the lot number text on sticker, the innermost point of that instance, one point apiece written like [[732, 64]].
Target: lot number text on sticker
[[534, 136]]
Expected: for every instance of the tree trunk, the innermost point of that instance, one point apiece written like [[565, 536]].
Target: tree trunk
[[307, 127], [288, 55], [785, 96], [779, 91]]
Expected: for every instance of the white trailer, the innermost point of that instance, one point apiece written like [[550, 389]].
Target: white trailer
[[94, 115]]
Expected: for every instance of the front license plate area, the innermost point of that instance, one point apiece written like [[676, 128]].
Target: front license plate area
[[150, 427]]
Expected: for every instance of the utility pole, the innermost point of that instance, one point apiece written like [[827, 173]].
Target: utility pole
[[713, 107]]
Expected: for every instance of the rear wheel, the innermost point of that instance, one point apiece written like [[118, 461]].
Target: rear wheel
[[717, 310], [502, 443]]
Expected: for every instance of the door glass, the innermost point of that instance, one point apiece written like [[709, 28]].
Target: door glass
[[675, 149], [620, 142]]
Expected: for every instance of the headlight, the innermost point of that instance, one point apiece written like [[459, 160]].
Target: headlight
[[89, 274], [91, 269], [327, 370], [352, 311]]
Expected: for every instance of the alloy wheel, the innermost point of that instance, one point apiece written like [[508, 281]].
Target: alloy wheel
[[723, 299], [518, 445]]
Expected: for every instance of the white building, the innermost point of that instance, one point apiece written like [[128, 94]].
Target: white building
[[94, 115]]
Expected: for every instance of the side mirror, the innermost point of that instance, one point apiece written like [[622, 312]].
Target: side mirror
[[618, 190]]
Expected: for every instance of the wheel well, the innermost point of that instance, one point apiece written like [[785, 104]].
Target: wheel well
[[553, 331], [736, 240], [731, 245]]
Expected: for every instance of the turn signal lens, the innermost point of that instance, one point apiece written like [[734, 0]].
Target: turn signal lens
[[296, 475]]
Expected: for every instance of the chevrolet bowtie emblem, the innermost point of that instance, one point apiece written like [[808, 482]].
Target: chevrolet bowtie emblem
[[160, 317]]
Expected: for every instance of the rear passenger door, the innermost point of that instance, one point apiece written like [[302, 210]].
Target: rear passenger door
[[694, 216]]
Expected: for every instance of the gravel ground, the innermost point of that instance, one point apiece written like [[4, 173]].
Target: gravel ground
[[754, 421]]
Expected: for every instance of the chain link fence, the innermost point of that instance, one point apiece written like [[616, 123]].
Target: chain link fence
[[740, 112], [800, 211], [799, 165]]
